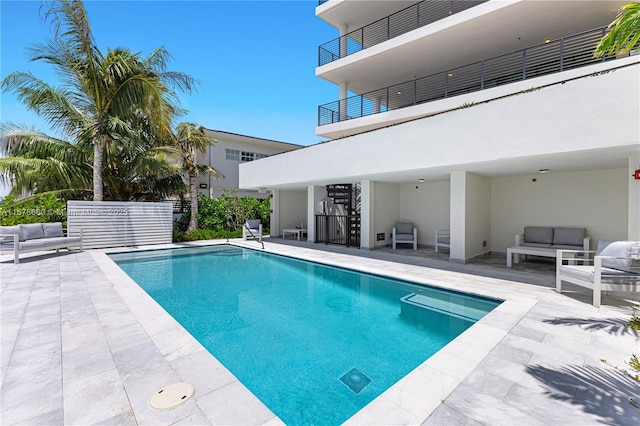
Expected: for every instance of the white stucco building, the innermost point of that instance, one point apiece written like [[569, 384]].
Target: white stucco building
[[478, 116], [228, 153]]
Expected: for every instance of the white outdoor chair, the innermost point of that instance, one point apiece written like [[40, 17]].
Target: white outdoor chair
[[443, 238], [252, 228], [404, 233], [615, 267]]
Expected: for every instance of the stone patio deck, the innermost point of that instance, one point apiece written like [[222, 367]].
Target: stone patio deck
[[82, 344]]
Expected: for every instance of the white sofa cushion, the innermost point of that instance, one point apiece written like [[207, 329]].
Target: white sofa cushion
[[7, 232], [404, 228], [623, 250], [53, 229], [538, 234], [32, 231]]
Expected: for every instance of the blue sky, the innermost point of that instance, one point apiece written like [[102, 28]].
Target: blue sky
[[255, 60]]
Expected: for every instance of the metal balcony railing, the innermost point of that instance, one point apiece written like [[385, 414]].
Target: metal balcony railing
[[547, 58], [408, 19]]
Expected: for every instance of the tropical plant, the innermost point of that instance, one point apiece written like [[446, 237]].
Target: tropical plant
[[47, 208], [34, 162], [624, 32], [103, 98], [192, 140], [225, 215], [137, 168]]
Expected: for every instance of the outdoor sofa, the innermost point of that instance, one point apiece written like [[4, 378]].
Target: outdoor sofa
[[36, 237], [546, 240]]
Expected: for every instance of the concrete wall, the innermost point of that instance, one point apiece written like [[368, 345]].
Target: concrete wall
[[293, 209], [477, 216], [386, 211], [427, 206], [597, 200]]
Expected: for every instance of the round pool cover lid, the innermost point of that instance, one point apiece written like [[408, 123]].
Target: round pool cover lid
[[171, 396]]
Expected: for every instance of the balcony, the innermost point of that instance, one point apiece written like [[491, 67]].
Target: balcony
[[555, 56], [401, 22]]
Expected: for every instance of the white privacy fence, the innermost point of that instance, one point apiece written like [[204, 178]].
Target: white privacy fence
[[120, 224]]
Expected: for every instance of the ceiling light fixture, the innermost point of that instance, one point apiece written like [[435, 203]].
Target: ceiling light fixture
[[450, 74], [548, 40], [421, 180], [399, 92], [543, 171]]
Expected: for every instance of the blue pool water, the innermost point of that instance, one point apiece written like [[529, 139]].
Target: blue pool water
[[314, 343]]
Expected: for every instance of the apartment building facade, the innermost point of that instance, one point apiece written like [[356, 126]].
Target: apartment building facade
[[231, 150], [478, 116]]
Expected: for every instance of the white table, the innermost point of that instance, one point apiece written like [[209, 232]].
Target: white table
[[294, 231], [516, 251]]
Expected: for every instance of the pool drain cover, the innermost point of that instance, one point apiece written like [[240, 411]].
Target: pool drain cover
[[171, 396], [356, 380]]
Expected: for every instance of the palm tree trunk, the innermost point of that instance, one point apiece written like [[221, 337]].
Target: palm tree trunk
[[193, 190], [98, 156]]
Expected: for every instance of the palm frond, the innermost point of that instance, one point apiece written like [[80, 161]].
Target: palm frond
[[624, 32], [48, 102]]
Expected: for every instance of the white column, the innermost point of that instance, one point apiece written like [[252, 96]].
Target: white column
[[274, 225], [457, 206], [315, 194], [470, 216], [343, 41], [367, 219], [634, 199], [343, 101]]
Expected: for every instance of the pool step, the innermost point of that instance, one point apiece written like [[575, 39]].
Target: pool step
[[461, 307]]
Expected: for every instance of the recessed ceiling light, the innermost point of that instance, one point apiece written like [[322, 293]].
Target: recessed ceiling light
[[548, 40], [450, 74], [543, 171], [421, 180], [399, 92]]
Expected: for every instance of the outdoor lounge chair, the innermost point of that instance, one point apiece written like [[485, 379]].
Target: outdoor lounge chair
[[615, 267], [443, 238], [404, 233], [252, 228]]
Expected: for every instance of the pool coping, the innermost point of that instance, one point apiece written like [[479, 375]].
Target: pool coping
[[410, 400]]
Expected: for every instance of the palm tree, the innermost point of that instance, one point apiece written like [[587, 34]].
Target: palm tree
[[191, 140], [102, 95], [38, 163], [137, 168], [624, 32]]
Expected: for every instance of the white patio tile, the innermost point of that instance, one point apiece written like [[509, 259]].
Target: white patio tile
[[245, 410], [96, 398]]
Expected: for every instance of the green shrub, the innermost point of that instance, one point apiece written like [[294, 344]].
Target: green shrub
[[204, 234], [225, 213], [46, 208]]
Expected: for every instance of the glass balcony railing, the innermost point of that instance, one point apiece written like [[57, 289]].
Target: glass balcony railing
[[408, 19], [547, 58]]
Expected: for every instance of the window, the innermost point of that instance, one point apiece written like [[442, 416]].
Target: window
[[244, 156], [233, 154]]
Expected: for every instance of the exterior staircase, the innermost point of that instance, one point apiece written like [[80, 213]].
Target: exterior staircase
[[346, 197]]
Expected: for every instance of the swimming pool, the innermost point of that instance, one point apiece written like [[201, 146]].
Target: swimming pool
[[314, 343]]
